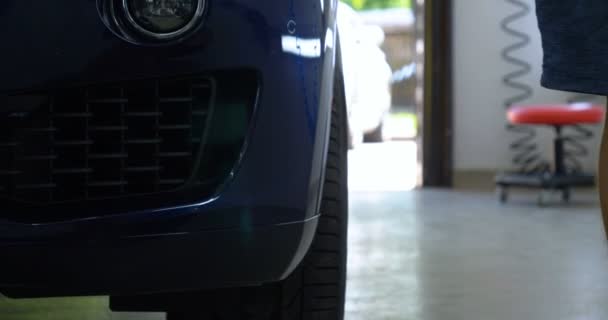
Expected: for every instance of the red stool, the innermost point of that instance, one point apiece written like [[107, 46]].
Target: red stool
[[559, 178]]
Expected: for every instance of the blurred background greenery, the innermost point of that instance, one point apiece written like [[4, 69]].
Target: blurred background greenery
[[378, 4]]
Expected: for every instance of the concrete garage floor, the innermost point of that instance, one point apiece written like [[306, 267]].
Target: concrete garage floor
[[440, 255], [444, 255]]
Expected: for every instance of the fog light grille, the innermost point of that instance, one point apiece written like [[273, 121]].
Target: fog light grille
[[105, 141], [83, 152]]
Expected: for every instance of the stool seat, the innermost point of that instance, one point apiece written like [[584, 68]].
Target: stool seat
[[556, 114]]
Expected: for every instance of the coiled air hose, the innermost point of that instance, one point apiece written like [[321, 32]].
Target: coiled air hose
[[527, 158]]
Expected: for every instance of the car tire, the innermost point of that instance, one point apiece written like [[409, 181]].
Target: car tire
[[316, 288]]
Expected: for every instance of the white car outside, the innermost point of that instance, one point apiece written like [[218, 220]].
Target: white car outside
[[367, 76]]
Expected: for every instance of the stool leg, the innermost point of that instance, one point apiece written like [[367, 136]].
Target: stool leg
[[560, 167], [503, 194], [566, 194]]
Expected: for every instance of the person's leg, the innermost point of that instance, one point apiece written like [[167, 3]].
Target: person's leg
[[603, 174]]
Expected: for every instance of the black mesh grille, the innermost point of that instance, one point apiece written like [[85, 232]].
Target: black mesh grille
[[79, 152], [105, 141]]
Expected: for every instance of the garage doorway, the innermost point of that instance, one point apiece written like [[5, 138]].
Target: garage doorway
[[416, 136], [381, 63]]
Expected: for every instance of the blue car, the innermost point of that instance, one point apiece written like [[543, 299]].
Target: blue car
[[182, 156]]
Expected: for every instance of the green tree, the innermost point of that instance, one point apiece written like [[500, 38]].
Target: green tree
[[378, 4]]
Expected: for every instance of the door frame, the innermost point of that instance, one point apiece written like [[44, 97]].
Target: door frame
[[434, 93]]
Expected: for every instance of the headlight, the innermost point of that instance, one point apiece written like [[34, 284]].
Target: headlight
[[163, 19]]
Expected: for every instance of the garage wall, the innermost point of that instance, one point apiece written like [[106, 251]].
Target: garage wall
[[480, 139]]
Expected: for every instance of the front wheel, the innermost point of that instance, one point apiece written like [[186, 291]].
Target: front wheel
[[316, 289]]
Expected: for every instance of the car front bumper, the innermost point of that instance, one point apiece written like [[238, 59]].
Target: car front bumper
[[90, 264]]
